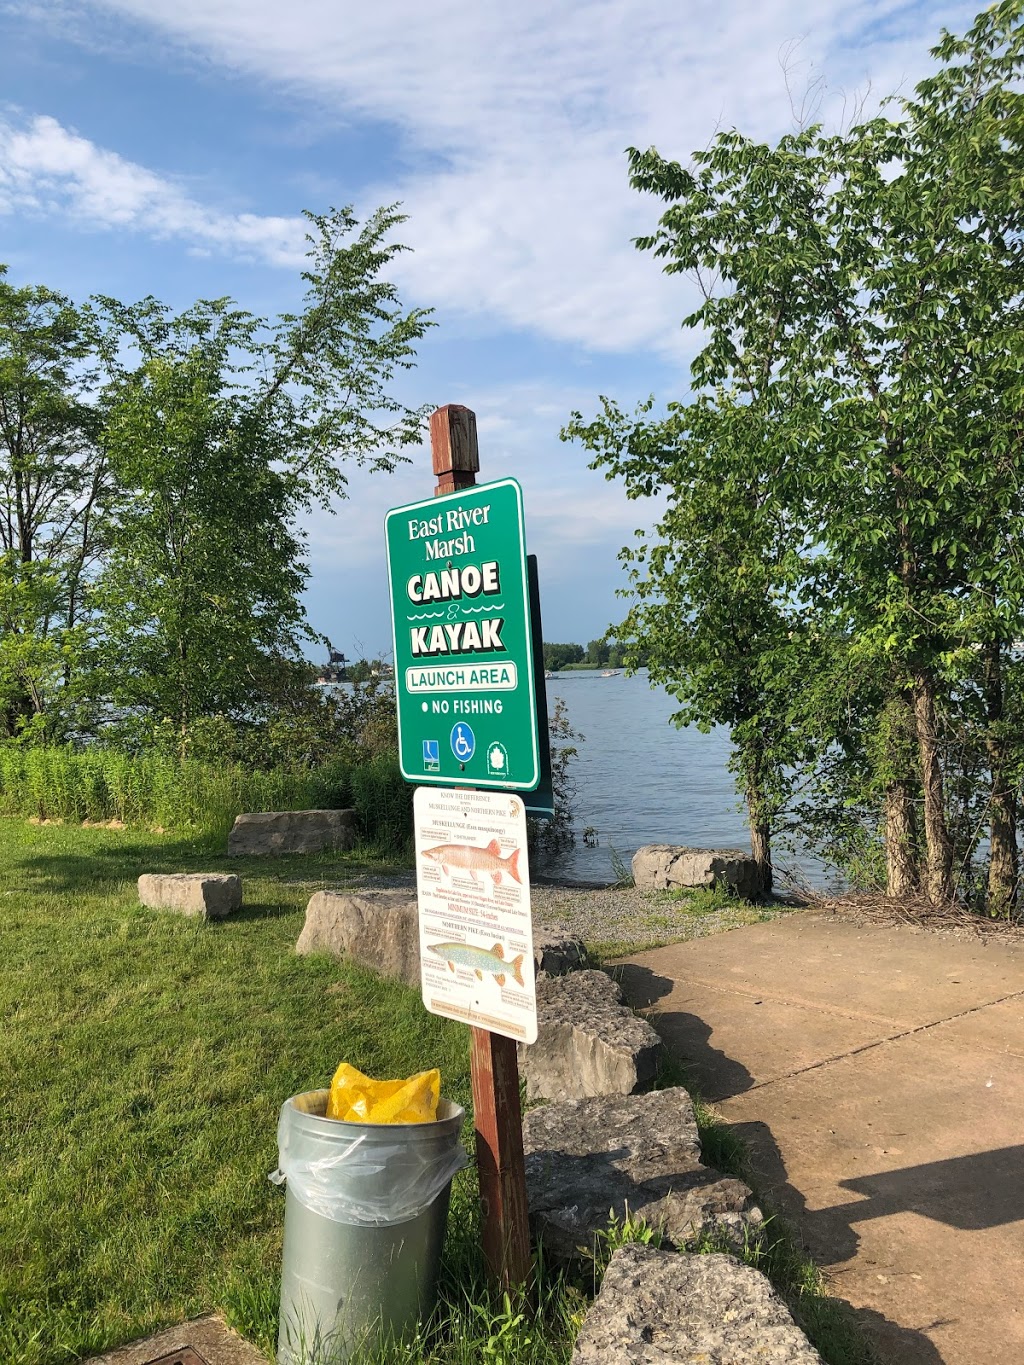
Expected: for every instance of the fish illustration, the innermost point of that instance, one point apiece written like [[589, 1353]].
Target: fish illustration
[[480, 959], [476, 860]]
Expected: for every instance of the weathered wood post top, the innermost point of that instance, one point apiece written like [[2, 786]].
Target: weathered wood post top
[[453, 448]]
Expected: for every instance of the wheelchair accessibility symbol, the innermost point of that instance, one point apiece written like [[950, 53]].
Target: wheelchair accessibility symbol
[[463, 742]]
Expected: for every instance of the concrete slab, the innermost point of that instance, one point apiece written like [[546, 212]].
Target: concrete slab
[[996, 1028], [904, 1170], [210, 1338], [899, 976], [900, 1159], [735, 1042]]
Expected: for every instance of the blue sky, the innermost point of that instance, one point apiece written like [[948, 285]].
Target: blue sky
[[167, 147]]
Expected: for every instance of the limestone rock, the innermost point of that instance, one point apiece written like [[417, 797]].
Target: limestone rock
[[263, 833], [661, 1308], [588, 1041], [638, 1155], [210, 895], [660, 867], [379, 929], [557, 953]]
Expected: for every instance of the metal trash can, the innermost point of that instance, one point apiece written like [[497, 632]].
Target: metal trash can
[[364, 1224]]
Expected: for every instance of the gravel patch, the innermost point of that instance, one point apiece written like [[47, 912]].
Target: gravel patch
[[617, 918], [624, 916]]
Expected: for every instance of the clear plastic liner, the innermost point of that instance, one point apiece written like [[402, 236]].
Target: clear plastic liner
[[365, 1174]]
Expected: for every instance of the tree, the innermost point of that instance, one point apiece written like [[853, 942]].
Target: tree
[[199, 597], [220, 427], [710, 615], [557, 656], [53, 486], [860, 304]]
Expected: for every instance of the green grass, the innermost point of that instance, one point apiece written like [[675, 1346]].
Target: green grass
[[144, 1059], [187, 796]]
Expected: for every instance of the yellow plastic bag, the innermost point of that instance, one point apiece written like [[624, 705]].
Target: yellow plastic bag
[[358, 1099]]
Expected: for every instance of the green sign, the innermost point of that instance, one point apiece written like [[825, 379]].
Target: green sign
[[460, 610]]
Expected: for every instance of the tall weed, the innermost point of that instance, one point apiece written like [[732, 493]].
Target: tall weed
[[383, 803], [158, 790]]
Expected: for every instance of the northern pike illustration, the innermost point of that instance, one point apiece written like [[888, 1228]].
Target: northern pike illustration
[[476, 860], [480, 959]]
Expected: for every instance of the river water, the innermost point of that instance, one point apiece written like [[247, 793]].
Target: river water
[[640, 780]]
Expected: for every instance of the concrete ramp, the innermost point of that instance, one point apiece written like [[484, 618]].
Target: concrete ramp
[[878, 1076]]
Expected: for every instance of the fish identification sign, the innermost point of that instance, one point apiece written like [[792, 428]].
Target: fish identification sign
[[463, 651], [473, 885]]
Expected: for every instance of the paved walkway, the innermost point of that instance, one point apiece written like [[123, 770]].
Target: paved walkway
[[878, 1076]]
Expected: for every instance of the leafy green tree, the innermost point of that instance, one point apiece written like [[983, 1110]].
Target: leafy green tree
[[219, 428], [365, 670], [199, 596], [557, 656], [53, 487], [32, 654], [859, 298], [710, 617]]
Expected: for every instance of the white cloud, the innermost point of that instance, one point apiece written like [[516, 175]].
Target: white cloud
[[46, 168], [524, 217]]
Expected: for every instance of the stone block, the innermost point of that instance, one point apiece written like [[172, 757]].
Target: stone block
[[378, 929], [209, 1337], [588, 1041], [661, 867], [557, 953], [266, 833], [662, 1308], [636, 1155], [210, 895]]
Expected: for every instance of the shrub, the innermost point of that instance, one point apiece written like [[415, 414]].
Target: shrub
[[160, 790]]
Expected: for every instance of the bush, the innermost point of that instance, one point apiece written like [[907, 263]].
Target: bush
[[383, 803], [159, 790]]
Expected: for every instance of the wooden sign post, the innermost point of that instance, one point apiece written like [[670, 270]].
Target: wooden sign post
[[494, 1063]]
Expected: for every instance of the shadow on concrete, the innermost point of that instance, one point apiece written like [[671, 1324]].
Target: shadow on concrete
[[965, 1193], [642, 987], [828, 1237], [714, 1074], [983, 1190], [899, 1345], [826, 1233]]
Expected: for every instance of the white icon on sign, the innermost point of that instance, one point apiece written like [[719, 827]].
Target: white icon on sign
[[497, 759], [463, 742]]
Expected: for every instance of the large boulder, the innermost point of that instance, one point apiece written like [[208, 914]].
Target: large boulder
[[661, 1308], [662, 867], [588, 1041], [637, 1156], [379, 929], [209, 895], [263, 833]]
